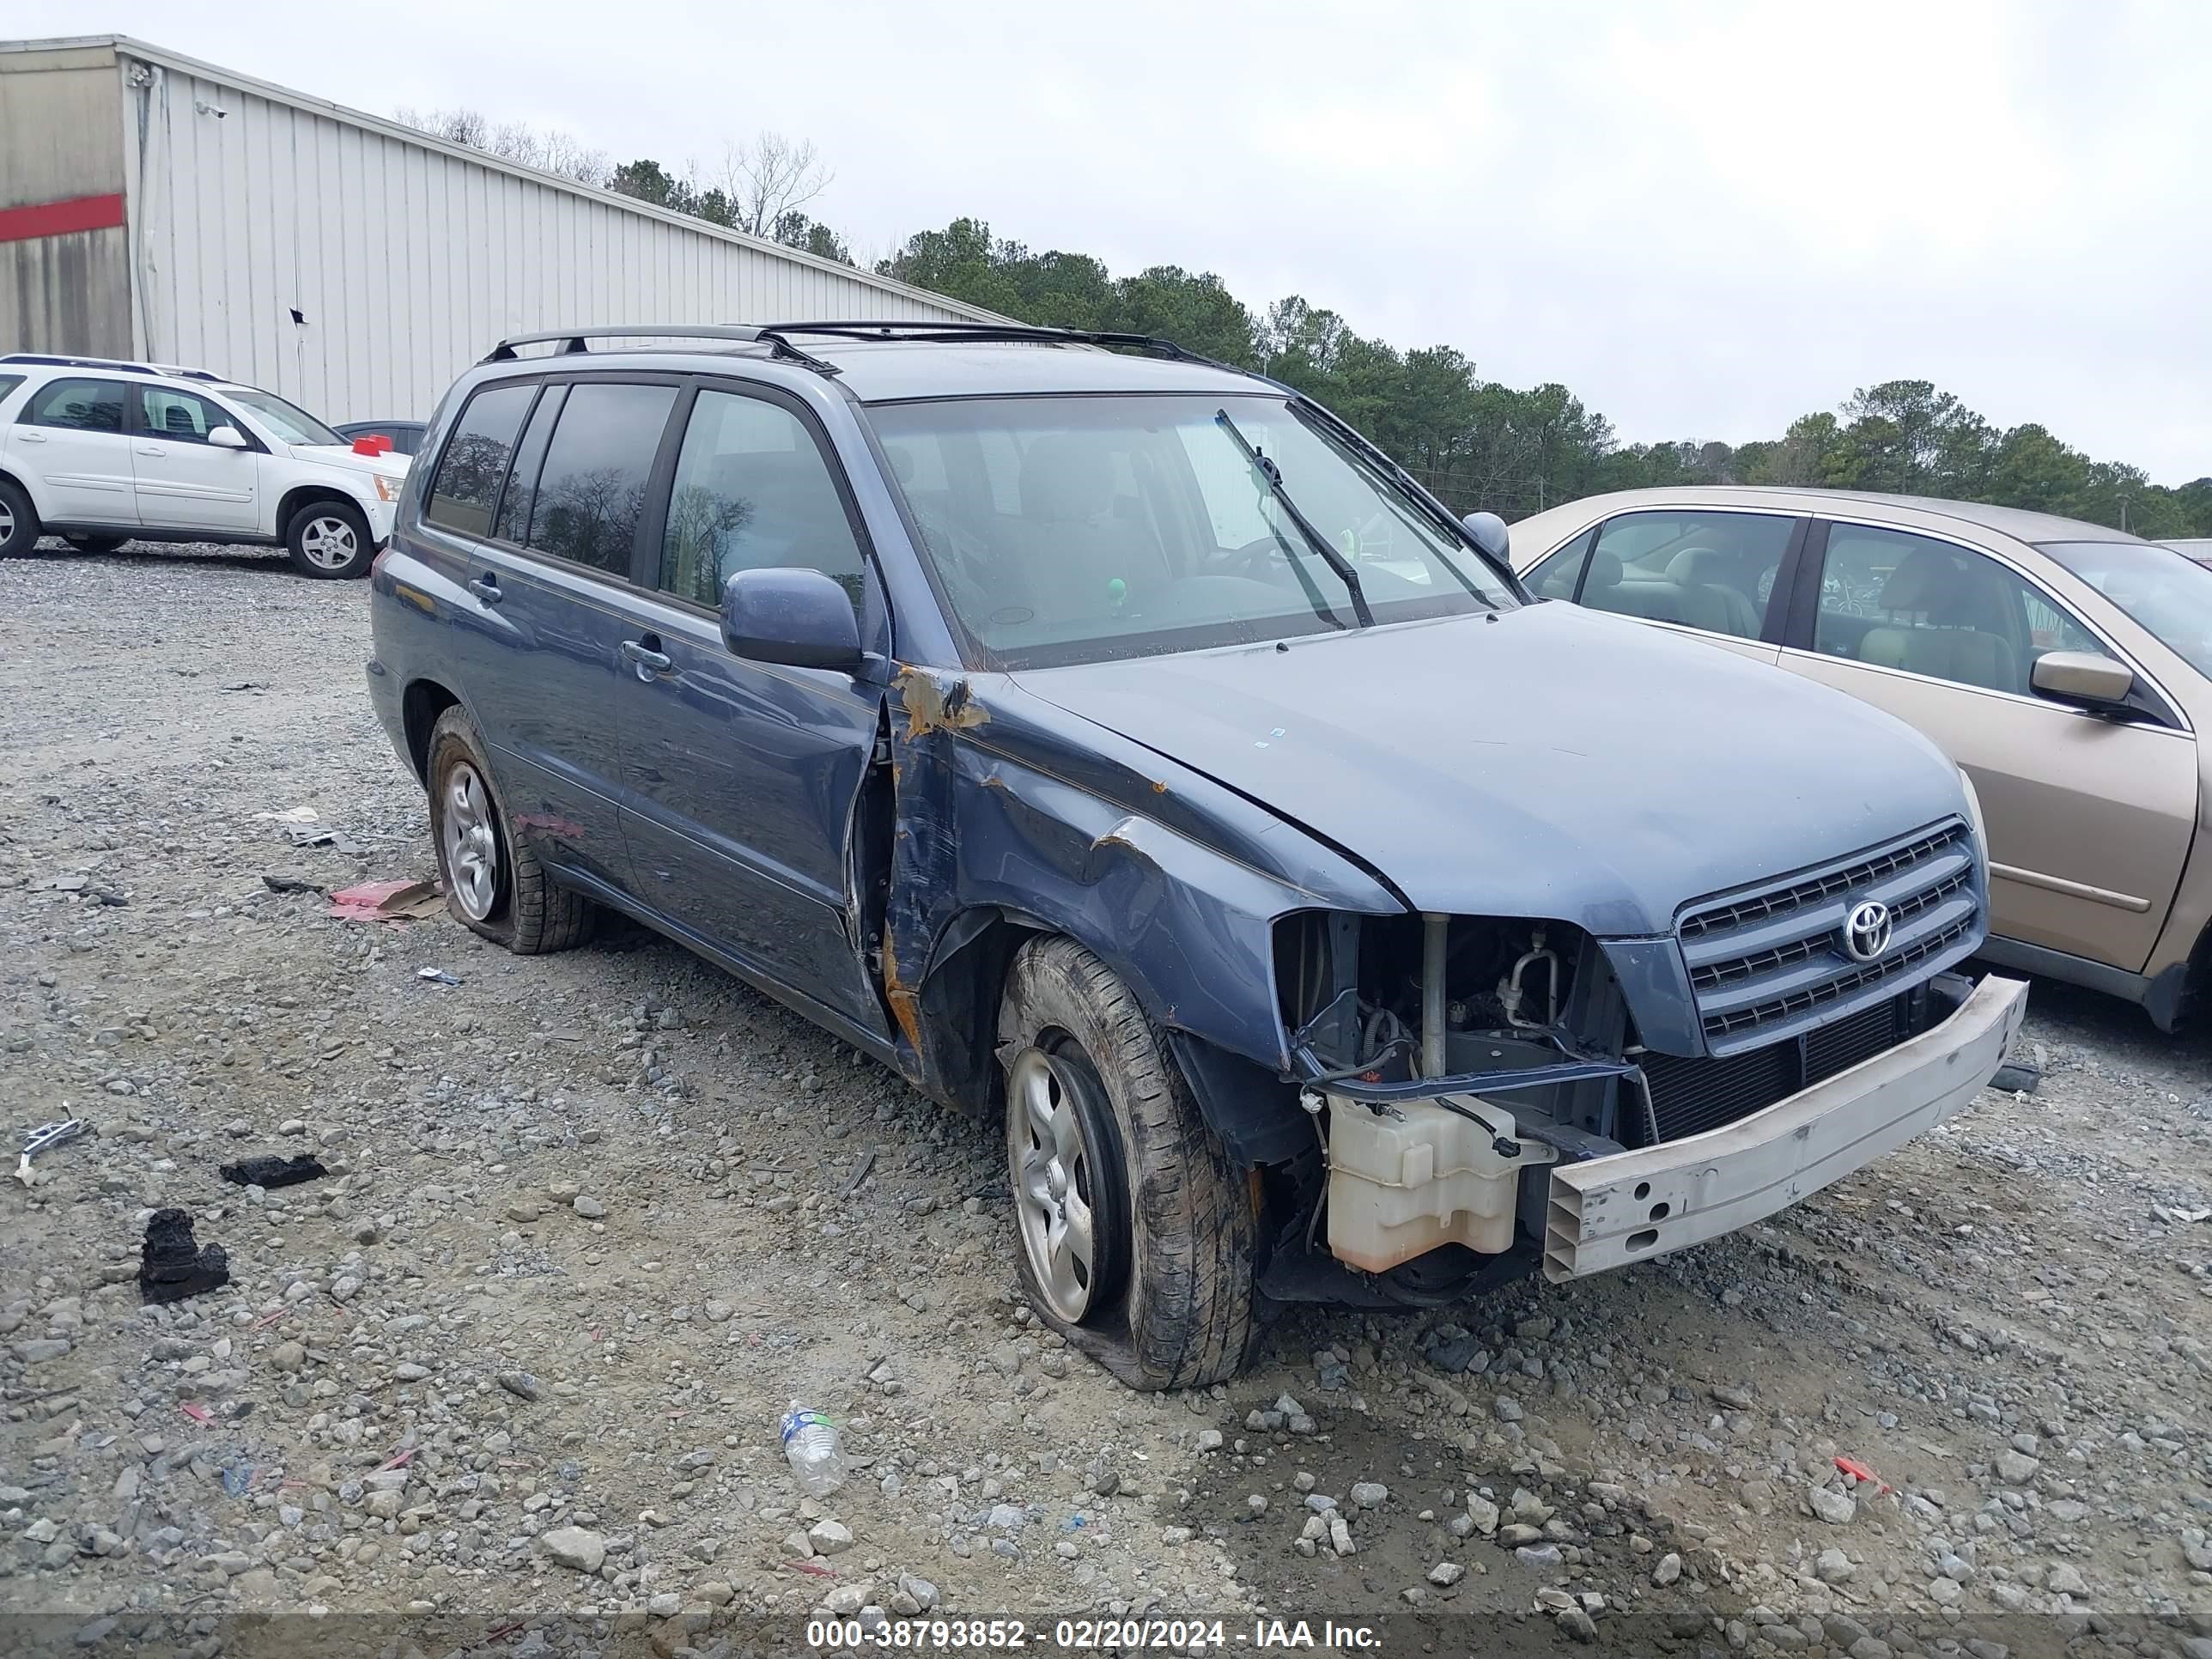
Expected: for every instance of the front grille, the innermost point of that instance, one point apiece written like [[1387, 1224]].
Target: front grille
[[1770, 963], [1689, 1097]]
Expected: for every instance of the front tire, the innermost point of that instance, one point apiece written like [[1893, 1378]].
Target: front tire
[[1137, 1232], [19, 521], [495, 885], [329, 540]]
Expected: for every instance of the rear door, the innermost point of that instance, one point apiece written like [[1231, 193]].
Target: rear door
[[548, 529], [741, 779], [73, 436], [182, 481], [1708, 572], [2089, 819]]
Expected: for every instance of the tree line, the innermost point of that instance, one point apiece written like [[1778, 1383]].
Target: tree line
[[1474, 442]]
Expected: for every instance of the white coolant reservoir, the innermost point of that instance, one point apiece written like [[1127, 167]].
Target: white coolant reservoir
[[1416, 1174]]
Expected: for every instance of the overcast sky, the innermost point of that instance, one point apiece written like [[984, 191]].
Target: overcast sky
[[1705, 219]]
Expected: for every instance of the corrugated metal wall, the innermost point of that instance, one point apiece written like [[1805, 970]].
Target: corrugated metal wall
[[405, 260], [59, 141]]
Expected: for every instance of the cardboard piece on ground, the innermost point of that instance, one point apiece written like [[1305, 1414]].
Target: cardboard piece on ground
[[391, 901]]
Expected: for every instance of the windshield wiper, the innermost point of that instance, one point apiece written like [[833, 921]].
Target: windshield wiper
[[1320, 544]]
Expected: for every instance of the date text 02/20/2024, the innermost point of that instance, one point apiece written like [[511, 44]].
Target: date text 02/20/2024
[[1082, 1635]]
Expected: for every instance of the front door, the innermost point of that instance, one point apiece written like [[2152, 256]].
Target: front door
[[2089, 819], [182, 481], [742, 778], [73, 437]]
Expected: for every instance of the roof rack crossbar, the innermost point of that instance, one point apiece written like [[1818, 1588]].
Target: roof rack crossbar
[[575, 341]]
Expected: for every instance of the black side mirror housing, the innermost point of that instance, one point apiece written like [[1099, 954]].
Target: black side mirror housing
[[793, 615]]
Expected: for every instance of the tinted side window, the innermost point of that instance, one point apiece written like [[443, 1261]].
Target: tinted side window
[[476, 459], [8, 383], [752, 492], [521, 492], [1711, 570], [1554, 578], [591, 491], [178, 416], [1896, 600], [77, 407]]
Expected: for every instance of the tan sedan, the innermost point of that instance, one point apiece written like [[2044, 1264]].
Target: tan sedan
[[2063, 664]]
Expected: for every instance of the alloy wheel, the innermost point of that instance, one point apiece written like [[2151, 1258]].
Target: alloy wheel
[[1056, 1139], [471, 842], [329, 542]]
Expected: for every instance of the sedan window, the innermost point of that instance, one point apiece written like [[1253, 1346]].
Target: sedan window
[[2169, 596], [1892, 599], [1714, 571]]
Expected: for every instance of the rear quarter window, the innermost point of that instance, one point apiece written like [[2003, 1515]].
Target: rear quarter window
[[476, 458]]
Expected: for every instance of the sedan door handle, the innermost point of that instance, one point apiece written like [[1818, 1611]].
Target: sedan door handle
[[485, 588], [650, 660]]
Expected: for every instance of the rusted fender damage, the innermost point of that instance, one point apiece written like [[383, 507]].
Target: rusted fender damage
[[1007, 806]]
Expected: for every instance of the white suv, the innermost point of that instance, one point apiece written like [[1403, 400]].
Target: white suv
[[101, 453]]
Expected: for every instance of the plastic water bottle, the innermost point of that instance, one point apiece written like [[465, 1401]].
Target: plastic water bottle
[[809, 1445]]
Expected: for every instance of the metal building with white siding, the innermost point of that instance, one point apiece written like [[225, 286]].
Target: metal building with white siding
[[158, 208]]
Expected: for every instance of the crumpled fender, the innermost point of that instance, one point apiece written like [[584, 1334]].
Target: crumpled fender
[[1008, 805]]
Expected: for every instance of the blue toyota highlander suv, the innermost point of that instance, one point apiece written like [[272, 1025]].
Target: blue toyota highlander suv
[[1120, 747]]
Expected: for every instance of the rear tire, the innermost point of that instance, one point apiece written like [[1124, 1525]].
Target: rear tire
[[329, 540], [1106, 1146], [495, 885], [97, 544], [19, 521]]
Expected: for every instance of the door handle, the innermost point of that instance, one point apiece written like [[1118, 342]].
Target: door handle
[[649, 660], [26, 435], [485, 588], [151, 449]]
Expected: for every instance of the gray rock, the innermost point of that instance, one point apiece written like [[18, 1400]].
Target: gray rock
[[2016, 1468], [1668, 1569], [1209, 1440], [1832, 1566], [288, 1356], [1445, 1574], [522, 1385], [830, 1537], [1369, 1494], [575, 1548], [1483, 1513], [1508, 1408], [345, 1288], [38, 1350], [1836, 1508], [1539, 1555], [588, 1208], [2064, 1579]]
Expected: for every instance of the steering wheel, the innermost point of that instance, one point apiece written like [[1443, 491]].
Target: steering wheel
[[1246, 560]]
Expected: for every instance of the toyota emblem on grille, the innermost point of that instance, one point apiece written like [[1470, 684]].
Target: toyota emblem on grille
[[1866, 930]]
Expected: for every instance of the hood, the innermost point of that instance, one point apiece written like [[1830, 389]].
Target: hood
[[391, 466], [1555, 762]]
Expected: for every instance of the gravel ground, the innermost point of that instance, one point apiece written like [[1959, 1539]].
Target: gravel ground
[[591, 1221]]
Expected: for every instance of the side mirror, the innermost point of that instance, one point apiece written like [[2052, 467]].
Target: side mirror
[[796, 616], [227, 437], [1490, 533], [2081, 677]]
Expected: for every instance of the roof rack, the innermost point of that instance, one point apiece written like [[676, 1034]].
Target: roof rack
[[575, 341], [956, 332], [174, 371]]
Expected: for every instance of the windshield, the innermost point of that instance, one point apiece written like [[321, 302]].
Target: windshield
[[1066, 530], [288, 420], [2168, 595]]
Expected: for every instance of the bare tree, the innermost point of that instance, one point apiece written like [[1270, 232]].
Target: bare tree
[[768, 177], [550, 151]]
